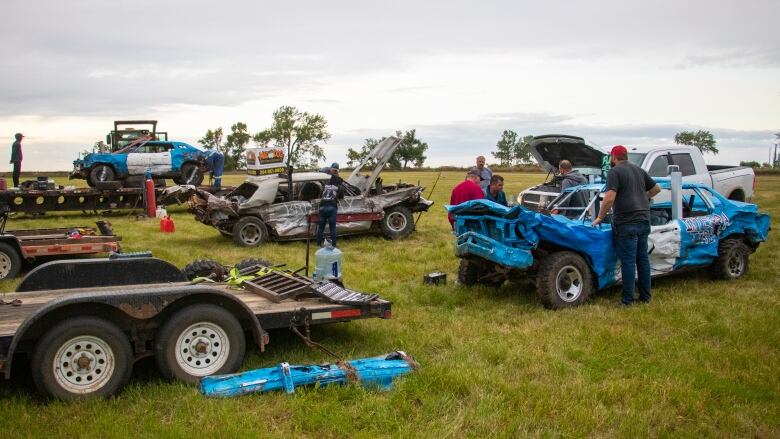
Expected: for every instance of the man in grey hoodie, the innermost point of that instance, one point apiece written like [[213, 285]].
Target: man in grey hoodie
[[572, 178]]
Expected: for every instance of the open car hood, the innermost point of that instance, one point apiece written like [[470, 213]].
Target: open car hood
[[550, 149], [381, 153]]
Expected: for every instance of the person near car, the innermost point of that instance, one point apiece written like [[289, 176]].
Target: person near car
[[329, 205], [216, 162], [495, 191], [628, 191], [571, 178], [484, 174], [16, 157], [466, 190]]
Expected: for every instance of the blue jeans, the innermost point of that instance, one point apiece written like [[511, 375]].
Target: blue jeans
[[631, 248], [326, 213]]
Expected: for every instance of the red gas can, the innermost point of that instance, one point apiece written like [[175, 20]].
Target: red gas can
[[167, 225]]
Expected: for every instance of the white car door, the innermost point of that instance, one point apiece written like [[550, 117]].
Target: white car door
[[156, 157]]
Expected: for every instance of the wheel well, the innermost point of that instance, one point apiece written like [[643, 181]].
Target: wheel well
[[737, 195], [13, 242], [547, 248], [109, 165]]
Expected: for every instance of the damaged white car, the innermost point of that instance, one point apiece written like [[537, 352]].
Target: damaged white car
[[266, 207]]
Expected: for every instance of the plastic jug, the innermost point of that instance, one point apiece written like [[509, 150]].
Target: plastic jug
[[327, 263], [160, 212], [167, 225]]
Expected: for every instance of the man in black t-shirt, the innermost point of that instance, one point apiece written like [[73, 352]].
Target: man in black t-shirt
[[329, 204], [628, 191]]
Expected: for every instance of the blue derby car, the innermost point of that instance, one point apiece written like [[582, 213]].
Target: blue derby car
[[183, 163], [568, 258]]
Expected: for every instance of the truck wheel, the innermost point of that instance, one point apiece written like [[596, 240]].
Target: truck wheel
[[251, 262], [733, 260], [564, 280], [471, 272], [249, 231], [101, 173], [398, 222], [10, 261], [204, 268], [190, 174], [82, 357], [198, 341]]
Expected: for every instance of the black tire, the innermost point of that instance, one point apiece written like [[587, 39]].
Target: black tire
[[472, 272], [219, 341], [249, 231], [104, 348], [101, 173], [251, 262], [397, 223], [190, 174], [733, 260], [10, 261], [564, 280], [204, 268]]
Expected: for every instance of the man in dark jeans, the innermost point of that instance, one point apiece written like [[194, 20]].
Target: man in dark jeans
[[329, 205], [628, 191], [16, 158]]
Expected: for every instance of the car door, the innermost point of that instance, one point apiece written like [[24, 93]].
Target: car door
[[138, 160], [159, 158], [700, 230]]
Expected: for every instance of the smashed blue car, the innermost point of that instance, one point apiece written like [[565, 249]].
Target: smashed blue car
[[183, 163], [568, 259]]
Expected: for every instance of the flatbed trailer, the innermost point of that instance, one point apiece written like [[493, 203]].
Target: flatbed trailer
[[27, 245], [82, 342], [86, 199]]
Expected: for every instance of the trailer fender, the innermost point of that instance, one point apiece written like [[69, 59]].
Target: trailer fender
[[131, 309]]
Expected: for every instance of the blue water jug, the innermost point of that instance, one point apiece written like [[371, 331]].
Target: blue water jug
[[327, 263]]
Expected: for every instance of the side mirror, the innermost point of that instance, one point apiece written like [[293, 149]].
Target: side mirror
[[108, 139]]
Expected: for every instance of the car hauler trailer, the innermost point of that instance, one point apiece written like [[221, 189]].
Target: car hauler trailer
[[83, 332]]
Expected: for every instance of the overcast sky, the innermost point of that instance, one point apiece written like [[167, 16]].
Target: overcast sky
[[630, 72]]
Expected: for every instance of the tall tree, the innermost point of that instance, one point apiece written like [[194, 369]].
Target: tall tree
[[237, 140], [213, 139], [505, 148], [411, 149], [702, 139], [300, 133], [521, 153]]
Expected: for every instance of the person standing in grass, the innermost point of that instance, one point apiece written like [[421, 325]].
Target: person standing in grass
[[484, 174], [495, 191], [16, 157], [467, 190], [629, 189], [329, 205]]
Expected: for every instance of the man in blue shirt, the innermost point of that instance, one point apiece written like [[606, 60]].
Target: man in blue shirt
[[495, 192]]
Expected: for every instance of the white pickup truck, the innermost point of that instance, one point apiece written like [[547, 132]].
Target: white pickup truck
[[735, 182]]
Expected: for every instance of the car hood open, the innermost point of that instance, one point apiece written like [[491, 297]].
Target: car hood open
[[550, 149], [381, 154]]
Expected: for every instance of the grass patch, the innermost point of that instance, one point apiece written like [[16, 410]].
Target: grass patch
[[701, 360]]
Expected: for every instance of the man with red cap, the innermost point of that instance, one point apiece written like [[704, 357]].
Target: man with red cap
[[16, 157], [628, 191]]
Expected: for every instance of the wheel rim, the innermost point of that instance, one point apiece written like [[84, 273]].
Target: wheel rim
[[5, 265], [102, 174], [189, 176], [396, 221], [736, 264], [84, 364], [202, 349], [251, 234], [568, 283]]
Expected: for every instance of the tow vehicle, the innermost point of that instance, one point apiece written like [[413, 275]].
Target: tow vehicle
[[82, 324], [568, 259], [126, 132]]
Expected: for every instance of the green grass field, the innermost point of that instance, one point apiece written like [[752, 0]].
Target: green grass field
[[703, 359]]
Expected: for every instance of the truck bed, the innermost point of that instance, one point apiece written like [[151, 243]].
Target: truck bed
[[271, 315]]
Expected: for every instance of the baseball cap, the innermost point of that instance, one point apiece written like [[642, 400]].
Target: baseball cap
[[334, 165], [474, 171], [618, 150], [19, 135]]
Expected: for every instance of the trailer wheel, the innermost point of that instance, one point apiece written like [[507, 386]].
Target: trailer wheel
[[249, 231], [82, 357], [10, 261], [250, 262], [198, 341], [397, 223], [564, 280], [472, 272], [190, 174], [733, 260], [204, 268], [101, 173]]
